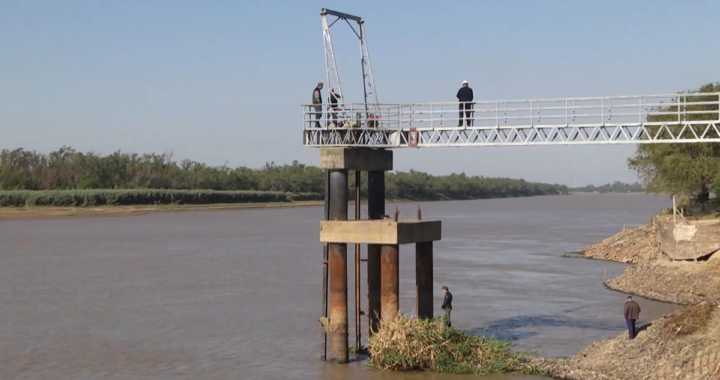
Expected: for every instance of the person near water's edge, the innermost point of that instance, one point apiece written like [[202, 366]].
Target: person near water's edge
[[317, 103], [465, 97], [447, 305], [632, 313]]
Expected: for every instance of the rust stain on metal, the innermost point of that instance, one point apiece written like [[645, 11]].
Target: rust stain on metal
[[390, 282], [338, 328]]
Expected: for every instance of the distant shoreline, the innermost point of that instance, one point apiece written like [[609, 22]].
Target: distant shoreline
[[54, 212]]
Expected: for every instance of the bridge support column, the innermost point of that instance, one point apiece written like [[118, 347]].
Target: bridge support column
[[389, 281], [376, 211], [337, 261], [424, 279]]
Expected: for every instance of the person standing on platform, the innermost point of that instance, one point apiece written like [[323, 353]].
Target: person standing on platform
[[317, 103], [465, 97], [447, 305], [333, 104], [632, 313]]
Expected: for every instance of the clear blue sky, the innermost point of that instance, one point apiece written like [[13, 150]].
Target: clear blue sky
[[222, 81]]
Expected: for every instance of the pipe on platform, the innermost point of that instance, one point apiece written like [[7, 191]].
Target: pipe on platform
[[389, 282], [424, 279], [376, 211], [337, 260]]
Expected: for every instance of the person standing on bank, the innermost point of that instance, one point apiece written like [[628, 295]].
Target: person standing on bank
[[317, 103], [447, 305], [465, 97], [632, 313]]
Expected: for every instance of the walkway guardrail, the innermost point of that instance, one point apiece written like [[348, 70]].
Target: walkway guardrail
[[690, 117]]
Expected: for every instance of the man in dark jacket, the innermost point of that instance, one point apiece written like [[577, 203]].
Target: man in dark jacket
[[333, 104], [447, 305], [632, 313], [465, 97], [317, 103]]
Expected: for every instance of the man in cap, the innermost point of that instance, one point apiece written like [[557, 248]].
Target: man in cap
[[465, 97], [317, 103]]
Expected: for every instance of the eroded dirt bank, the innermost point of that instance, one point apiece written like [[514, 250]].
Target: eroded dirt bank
[[654, 275], [681, 346]]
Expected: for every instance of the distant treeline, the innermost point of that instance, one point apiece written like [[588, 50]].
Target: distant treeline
[[67, 169], [615, 187]]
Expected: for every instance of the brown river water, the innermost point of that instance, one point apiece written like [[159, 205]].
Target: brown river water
[[236, 294]]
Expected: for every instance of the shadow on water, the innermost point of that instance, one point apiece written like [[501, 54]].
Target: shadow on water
[[511, 329]]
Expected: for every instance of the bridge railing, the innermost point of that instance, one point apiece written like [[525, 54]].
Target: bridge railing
[[644, 110]]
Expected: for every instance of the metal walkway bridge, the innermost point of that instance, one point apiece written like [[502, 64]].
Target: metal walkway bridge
[[674, 118]]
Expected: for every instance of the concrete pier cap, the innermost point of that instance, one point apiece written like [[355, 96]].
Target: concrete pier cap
[[385, 232], [358, 159]]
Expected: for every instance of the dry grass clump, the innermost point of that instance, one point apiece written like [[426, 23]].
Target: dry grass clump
[[690, 319], [406, 344]]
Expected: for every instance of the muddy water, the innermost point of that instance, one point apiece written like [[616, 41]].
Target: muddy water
[[236, 294]]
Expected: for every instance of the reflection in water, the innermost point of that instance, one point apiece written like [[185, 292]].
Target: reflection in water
[[237, 294]]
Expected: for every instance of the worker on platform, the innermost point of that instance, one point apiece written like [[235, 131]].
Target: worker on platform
[[632, 313], [317, 103], [465, 97], [333, 105], [447, 305]]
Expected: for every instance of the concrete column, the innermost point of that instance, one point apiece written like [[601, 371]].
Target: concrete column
[[389, 282], [337, 262], [376, 210], [424, 279]]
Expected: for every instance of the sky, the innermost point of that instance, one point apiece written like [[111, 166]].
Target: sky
[[222, 81]]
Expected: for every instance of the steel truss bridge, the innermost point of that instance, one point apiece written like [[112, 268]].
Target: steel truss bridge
[[675, 118], [667, 118]]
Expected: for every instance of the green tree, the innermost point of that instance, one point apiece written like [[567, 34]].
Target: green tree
[[681, 169]]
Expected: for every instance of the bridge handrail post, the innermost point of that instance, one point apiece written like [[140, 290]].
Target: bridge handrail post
[[432, 117]]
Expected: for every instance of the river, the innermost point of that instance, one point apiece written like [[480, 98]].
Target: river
[[236, 294]]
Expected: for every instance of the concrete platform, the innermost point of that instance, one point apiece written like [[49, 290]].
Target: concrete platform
[[687, 240], [361, 159], [387, 232]]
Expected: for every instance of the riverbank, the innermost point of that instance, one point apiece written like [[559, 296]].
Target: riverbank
[[55, 212], [663, 350], [49, 212], [653, 274], [682, 346]]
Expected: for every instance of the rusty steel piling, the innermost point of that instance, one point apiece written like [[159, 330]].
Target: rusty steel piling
[[389, 282], [358, 336], [424, 279], [325, 267], [376, 211], [337, 325]]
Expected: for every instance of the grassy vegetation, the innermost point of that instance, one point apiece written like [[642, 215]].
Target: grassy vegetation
[[406, 344], [84, 198], [690, 319]]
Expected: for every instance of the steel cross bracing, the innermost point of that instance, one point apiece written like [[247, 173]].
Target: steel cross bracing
[[675, 118], [333, 77]]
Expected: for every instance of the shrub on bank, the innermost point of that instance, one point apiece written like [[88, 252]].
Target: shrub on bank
[[406, 344], [79, 198], [690, 319]]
